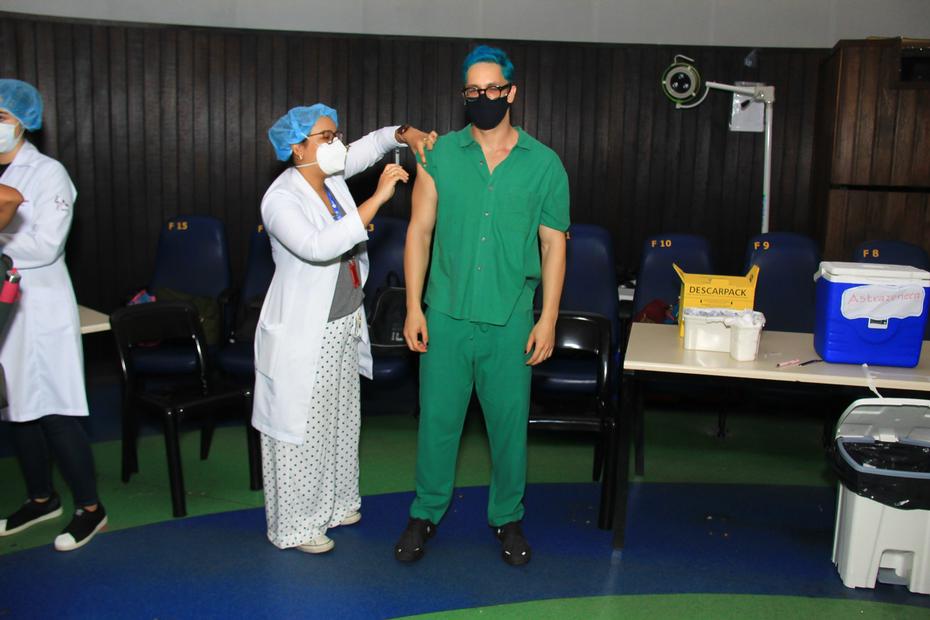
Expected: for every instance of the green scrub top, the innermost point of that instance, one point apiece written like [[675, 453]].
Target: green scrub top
[[485, 260]]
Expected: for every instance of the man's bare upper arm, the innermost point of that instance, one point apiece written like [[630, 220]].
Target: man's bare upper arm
[[549, 235], [423, 203]]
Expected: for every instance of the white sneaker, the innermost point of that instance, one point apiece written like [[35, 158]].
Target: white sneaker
[[352, 519], [320, 544]]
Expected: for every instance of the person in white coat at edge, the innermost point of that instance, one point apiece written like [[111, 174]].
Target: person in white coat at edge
[[312, 338], [41, 351]]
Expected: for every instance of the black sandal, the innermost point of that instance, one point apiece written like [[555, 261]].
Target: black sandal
[[409, 547]]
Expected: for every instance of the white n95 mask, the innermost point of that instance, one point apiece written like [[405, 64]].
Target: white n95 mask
[[330, 157], [8, 137]]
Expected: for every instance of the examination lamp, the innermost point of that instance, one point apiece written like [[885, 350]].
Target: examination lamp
[[681, 82]]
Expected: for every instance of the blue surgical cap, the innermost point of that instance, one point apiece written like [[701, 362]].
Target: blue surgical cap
[[23, 101], [293, 127]]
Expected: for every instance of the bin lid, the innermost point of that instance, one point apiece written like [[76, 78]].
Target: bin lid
[[872, 273], [886, 419]]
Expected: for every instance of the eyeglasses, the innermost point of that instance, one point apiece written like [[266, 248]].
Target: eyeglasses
[[328, 135], [470, 93]]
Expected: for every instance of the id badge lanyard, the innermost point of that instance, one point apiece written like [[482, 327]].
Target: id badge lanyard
[[338, 214]]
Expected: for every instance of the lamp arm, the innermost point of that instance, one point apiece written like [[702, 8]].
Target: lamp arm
[[759, 92]]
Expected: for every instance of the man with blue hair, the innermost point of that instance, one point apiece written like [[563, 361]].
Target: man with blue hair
[[492, 204]]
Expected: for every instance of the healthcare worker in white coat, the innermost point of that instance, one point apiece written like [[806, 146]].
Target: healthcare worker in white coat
[[312, 337], [41, 351]]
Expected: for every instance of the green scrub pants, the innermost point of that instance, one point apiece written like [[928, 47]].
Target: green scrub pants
[[461, 355]]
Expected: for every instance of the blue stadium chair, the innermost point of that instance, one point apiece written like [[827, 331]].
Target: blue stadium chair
[[191, 264], [656, 279], [892, 253], [237, 357], [590, 287], [785, 290], [590, 290], [386, 239]]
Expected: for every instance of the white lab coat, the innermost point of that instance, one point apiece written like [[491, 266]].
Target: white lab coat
[[307, 245], [41, 352]]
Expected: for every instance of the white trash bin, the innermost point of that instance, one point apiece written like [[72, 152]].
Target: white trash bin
[[882, 456]]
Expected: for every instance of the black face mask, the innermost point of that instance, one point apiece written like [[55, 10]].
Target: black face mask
[[486, 113]]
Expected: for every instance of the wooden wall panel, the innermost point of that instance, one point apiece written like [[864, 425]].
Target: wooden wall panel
[[156, 121], [861, 215], [880, 127]]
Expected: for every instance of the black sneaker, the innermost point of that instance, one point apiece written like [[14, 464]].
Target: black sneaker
[[409, 548], [84, 524], [514, 548], [29, 514]]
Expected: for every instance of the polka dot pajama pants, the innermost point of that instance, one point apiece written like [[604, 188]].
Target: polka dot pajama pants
[[314, 486]]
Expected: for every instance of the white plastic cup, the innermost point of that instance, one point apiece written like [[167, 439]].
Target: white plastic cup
[[744, 342]]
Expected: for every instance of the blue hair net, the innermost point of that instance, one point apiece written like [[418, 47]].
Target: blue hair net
[[486, 53], [23, 101], [293, 127]]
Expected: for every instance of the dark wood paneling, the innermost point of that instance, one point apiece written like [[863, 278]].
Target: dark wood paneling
[[880, 127], [156, 121], [871, 179], [861, 215]]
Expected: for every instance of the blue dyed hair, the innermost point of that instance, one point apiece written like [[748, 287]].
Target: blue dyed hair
[[486, 53]]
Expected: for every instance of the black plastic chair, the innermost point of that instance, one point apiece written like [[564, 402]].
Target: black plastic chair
[[590, 289], [785, 290], [177, 397], [585, 337], [237, 357], [191, 264]]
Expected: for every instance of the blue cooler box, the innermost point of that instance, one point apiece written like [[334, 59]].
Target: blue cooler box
[[871, 313]]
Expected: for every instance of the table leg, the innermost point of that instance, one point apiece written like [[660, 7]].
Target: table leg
[[639, 428]]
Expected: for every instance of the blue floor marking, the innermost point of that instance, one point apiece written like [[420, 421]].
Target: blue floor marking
[[681, 539]]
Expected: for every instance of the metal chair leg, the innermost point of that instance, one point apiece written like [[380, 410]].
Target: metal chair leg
[[639, 424], [598, 458], [609, 482], [175, 474], [255, 457], [206, 437], [130, 432]]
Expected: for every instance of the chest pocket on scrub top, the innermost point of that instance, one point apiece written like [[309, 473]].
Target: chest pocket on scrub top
[[515, 221]]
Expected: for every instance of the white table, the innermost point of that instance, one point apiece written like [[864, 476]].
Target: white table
[[93, 321], [655, 349], [658, 348]]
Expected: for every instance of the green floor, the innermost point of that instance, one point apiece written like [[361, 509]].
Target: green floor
[[681, 447], [691, 606]]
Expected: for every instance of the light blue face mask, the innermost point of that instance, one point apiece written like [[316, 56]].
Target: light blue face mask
[[8, 137]]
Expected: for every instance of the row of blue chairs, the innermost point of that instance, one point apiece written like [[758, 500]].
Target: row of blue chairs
[[169, 366], [785, 290], [193, 258]]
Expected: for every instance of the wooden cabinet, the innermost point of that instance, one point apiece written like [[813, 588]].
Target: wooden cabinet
[[872, 145]]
